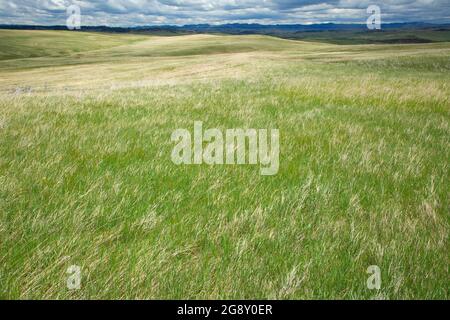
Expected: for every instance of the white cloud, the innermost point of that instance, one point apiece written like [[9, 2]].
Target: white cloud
[[154, 12]]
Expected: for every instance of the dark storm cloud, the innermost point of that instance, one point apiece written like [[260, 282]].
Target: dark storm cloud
[[153, 12]]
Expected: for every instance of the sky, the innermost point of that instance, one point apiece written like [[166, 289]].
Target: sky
[[179, 12]]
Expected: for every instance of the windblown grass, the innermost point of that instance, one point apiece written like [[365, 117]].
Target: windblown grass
[[86, 177]]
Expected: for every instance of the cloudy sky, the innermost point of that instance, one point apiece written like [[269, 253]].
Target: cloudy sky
[[157, 12]]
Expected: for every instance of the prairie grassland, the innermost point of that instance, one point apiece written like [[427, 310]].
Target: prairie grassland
[[86, 177]]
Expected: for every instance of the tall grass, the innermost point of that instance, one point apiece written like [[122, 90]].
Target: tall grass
[[86, 177]]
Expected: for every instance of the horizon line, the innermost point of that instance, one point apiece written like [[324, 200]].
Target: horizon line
[[224, 24]]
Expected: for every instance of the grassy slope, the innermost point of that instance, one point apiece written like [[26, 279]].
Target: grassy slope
[[366, 37], [86, 176], [30, 44]]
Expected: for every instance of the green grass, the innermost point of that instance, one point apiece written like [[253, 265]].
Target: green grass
[[86, 177], [30, 44]]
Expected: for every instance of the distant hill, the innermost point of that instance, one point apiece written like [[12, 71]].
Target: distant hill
[[237, 27], [327, 32]]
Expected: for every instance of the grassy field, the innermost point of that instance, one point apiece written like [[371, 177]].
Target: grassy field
[[377, 37], [86, 176]]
